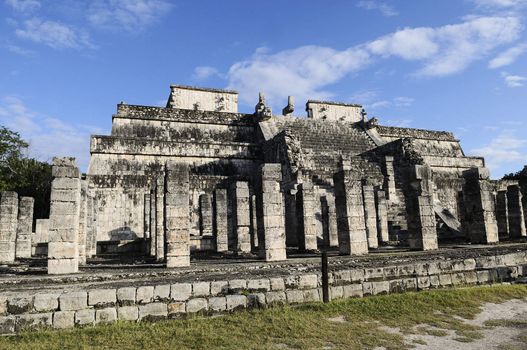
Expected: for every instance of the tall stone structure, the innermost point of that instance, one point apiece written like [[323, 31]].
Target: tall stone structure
[[270, 211], [502, 213], [382, 216], [370, 215], [160, 218], [220, 219], [242, 217], [479, 207], [351, 226], [177, 215], [8, 226], [307, 230], [63, 247], [515, 211], [422, 232], [24, 227]]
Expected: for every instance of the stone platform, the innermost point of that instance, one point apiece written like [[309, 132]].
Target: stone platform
[[106, 293]]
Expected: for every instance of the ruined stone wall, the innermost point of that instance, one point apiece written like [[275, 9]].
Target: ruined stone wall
[[332, 111], [186, 97]]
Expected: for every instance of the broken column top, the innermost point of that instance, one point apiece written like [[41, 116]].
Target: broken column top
[[334, 111], [477, 173], [65, 167], [202, 99], [64, 161]]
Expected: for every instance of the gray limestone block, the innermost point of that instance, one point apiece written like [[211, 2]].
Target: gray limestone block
[[235, 302], [483, 276], [367, 288], [180, 291], [176, 308], [62, 266], [445, 280], [128, 313], [336, 292], [421, 269], [423, 282], [352, 290], [3, 306], [101, 298], [85, 317], [410, 284], [405, 270], [73, 301], [153, 311], [19, 305], [357, 275], [381, 287], [236, 285], [311, 295], [434, 268], [63, 319], [277, 297], [396, 286], [33, 321], [470, 264], [294, 296], [434, 281], [7, 325], [277, 283], [46, 302], [144, 294], [373, 273], [458, 278], [107, 315], [200, 289], [197, 305], [219, 287], [342, 277], [218, 304], [262, 285], [256, 300], [126, 296], [471, 277], [162, 292], [390, 272], [308, 281]]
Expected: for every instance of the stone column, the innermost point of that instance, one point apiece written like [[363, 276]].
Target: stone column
[[389, 179], [205, 215], [480, 217], [82, 223], [91, 227], [307, 227], [24, 227], [221, 225], [153, 226], [242, 217], [270, 214], [332, 221], [515, 210], [422, 233], [324, 212], [370, 215], [41, 231], [382, 216], [177, 214], [350, 212], [291, 218], [502, 213], [254, 228], [146, 221], [63, 250], [160, 218], [8, 226]]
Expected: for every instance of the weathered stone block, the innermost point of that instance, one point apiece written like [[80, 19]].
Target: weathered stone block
[[336, 292], [19, 305], [101, 298], [7, 325], [200, 289], [180, 291], [153, 311], [126, 296], [85, 317], [176, 308], [236, 302], [218, 304], [277, 297], [162, 292], [144, 294], [63, 319], [235, 285], [33, 321], [107, 315], [352, 291], [73, 301], [307, 281], [294, 296], [256, 300], [277, 283], [46, 302], [197, 305], [259, 285], [381, 287], [219, 287]]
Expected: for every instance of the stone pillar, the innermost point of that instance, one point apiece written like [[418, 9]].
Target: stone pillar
[[153, 226], [480, 217], [291, 218], [389, 179], [270, 214], [8, 226], [205, 215], [242, 217], [332, 221], [160, 218], [515, 210], [91, 227], [24, 227], [502, 213], [63, 250], [177, 214], [42, 231], [254, 225], [146, 221], [324, 212], [221, 225], [370, 215], [307, 227], [382, 216], [350, 212], [422, 233], [82, 223]]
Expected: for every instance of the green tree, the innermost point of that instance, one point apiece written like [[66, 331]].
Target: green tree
[[24, 175]]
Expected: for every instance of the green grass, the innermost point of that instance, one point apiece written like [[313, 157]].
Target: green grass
[[302, 327]]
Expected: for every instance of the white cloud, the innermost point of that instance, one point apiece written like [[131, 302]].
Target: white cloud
[[396, 102], [403, 101], [513, 80], [204, 72], [500, 3], [364, 96], [47, 136], [53, 34], [131, 15], [24, 6], [385, 9], [17, 50], [306, 71], [505, 150], [509, 56]]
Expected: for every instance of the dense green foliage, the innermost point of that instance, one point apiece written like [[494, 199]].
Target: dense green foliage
[[24, 175], [342, 324]]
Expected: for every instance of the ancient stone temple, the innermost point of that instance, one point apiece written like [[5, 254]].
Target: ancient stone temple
[[198, 176]]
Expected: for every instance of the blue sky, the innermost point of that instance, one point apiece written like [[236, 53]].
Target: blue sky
[[455, 65]]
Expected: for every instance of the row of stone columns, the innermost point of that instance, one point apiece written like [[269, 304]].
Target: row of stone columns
[[16, 226], [511, 212]]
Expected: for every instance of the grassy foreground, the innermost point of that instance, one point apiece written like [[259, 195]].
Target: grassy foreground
[[343, 324]]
